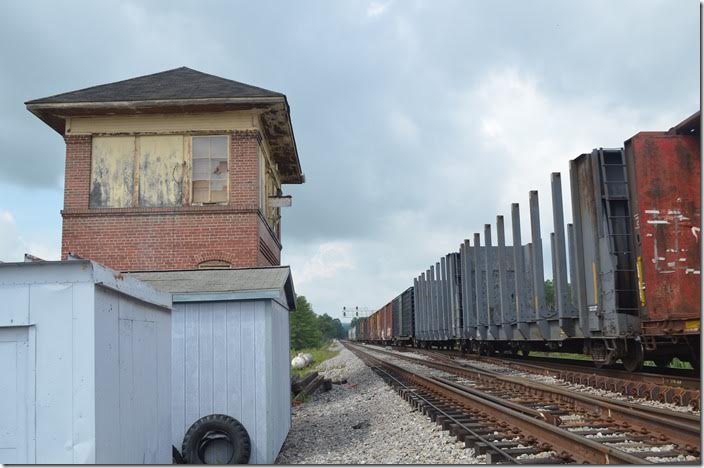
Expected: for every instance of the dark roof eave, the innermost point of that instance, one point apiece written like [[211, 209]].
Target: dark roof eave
[[298, 178], [106, 105]]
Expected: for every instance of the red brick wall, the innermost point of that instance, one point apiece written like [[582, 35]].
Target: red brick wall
[[77, 178], [133, 239]]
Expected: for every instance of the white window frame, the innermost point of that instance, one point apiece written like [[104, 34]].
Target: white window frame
[[229, 168]]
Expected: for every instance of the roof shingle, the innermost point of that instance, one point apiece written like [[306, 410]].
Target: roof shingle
[[177, 84]]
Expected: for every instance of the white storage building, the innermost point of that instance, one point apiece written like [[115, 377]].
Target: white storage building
[[230, 350], [85, 366]]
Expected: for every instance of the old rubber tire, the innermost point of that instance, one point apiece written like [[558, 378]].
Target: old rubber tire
[[221, 429]]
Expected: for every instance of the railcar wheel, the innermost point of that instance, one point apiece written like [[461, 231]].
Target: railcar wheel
[[633, 359]]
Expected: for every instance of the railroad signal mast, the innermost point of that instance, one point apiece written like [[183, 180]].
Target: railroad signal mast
[[365, 311]]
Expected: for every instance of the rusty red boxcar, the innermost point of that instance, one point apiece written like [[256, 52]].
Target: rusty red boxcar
[[664, 169]]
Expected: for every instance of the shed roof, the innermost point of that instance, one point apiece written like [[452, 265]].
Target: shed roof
[[181, 90], [224, 284], [80, 270]]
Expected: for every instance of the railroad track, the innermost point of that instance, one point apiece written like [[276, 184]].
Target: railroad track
[[678, 390], [562, 426]]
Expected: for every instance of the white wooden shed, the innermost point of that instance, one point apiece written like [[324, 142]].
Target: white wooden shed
[[84, 365], [230, 350]]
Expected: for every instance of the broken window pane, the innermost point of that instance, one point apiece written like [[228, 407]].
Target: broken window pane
[[210, 169], [219, 169]]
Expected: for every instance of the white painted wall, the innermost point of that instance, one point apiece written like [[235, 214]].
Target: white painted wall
[[74, 365], [232, 358], [133, 380]]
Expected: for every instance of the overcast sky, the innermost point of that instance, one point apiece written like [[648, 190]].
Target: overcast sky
[[416, 122]]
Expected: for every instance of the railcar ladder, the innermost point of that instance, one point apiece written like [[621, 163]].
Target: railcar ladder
[[616, 203]]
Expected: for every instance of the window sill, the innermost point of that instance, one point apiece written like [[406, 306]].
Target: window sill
[[145, 211]]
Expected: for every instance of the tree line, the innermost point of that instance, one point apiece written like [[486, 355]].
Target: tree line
[[309, 330]]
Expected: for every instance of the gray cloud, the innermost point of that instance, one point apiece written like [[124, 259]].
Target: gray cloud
[[417, 122]]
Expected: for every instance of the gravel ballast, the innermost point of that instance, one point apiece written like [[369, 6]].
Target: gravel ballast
[[365, 422]]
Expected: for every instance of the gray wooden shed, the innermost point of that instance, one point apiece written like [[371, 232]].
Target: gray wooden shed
[[85, 366], [230, 350]]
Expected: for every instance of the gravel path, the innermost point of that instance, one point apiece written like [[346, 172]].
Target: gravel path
[[365, 422]]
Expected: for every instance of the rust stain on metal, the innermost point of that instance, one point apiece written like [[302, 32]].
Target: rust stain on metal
[[665, 178]]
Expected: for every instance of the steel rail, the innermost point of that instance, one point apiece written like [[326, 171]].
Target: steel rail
[[666, 373], [683, 391], [380, 368], [682, 428], [566, 443]]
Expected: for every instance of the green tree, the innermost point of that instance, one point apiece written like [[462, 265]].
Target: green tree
[[305, 330], [329, 327], [549, 295]]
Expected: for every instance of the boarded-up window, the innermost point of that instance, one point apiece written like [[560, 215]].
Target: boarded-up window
[[112, 172], [268, 187], [210, 169], [161, 170]]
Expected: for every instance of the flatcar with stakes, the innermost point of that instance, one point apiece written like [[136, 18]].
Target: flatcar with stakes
[[626, 271]]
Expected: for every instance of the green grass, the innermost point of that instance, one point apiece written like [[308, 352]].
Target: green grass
[[676, 364], [320, 354]]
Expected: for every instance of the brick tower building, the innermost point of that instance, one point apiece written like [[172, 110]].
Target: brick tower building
[[175, 170]]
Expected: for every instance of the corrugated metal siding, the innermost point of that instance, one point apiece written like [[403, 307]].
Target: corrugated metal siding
[[232, 358]]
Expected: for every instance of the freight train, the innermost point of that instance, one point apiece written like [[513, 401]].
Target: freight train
[[632, 256]]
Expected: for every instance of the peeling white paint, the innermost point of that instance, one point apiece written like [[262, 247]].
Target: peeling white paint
[[652, 211], [658, 221]]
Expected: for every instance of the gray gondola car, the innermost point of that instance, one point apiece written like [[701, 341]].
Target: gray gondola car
[[438, 303]]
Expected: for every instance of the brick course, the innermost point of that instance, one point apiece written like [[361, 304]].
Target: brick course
[[138, 239]]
